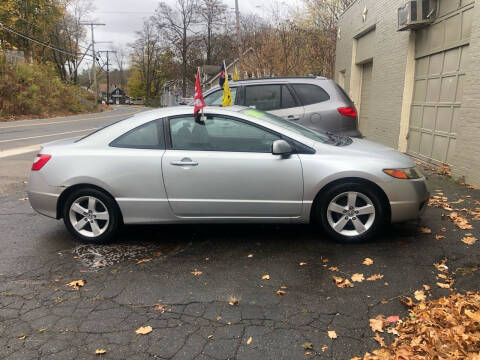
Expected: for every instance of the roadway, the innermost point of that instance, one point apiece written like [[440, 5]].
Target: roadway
[[26, 136]]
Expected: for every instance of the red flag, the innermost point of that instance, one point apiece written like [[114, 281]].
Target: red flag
[[198, 102]]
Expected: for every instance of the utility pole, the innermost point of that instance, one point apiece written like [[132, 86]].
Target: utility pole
[[108, 73], [94, 73], [239, 39]]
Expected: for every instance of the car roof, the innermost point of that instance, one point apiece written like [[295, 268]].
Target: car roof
[[274, 80]]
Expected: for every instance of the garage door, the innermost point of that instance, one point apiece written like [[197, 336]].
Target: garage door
[[436, 105], [365, 95]]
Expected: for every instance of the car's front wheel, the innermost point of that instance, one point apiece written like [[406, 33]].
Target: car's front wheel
[[352, 212], [91, 216]]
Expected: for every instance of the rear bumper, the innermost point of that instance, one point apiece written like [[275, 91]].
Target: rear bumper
[[44, 203], [414, 196], [43, 198]]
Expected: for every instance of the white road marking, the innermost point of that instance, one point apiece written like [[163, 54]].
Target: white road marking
[[70, 121], [19, 151], [40, 136]]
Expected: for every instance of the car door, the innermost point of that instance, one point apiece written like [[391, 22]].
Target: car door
[[224, 167], [277, 99]]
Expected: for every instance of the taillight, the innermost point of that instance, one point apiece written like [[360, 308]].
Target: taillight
[[348, 111], [40, 161]]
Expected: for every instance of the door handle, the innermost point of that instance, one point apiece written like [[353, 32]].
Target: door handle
[[293, 117], [184, 162]]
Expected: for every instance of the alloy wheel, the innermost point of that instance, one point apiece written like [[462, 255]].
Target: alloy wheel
[[89, 216], [351, 213]]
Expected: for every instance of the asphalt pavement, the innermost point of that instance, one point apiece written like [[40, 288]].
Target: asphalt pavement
[[202, 289]]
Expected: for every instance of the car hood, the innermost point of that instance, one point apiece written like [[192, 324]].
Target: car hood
[[368, 149]]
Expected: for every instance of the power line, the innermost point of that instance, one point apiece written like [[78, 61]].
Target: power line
[[39, 42]]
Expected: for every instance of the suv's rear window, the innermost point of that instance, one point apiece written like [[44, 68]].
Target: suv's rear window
[[310, 94]]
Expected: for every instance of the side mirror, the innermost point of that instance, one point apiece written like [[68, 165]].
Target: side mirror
[[281, 147]]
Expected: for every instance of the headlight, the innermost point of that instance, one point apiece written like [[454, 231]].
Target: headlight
[[409, 173]]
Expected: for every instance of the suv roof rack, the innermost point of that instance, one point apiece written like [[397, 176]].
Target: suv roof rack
[[283, 77]]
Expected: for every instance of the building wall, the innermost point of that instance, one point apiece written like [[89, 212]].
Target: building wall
[[389, 55], [466, 160]]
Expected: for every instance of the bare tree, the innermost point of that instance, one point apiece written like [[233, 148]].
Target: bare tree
[[120, 57], [212, 13], [146, 56], [177, 25]]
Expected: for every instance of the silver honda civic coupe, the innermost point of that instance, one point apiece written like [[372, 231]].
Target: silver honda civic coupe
[[234, 165]]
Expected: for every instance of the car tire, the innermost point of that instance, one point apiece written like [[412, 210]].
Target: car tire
[[351, 212], [91, 216]]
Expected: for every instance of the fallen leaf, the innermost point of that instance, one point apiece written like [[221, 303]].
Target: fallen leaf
[[407, 301], [460, 221], [332, 334], [341, 283], [469, 240], [367, 261], [375, 277], [76, 284], [377, 324], [143, 330], [307, 345], [159, 308], [196, 272], [324, 347], [302, 263], [357, 277], [42, 330], [249, 340], [426, 287], [420, 295], [475, 316], [281, 292], [425, 230], [443, 286], [325, 260], [392, 319], [333, 268], [250, 255], [380, 340], [210, 336], [22, 337], [144, 261], [100, 351], [266, 277], [233, 301], [438, 237]]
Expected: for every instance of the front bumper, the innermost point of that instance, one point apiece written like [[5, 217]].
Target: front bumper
[[408, 199]]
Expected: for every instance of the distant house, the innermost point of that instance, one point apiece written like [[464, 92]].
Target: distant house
[[117, 96]]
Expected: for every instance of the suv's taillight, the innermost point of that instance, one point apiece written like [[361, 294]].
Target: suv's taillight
[[40, 161], [348, 111]]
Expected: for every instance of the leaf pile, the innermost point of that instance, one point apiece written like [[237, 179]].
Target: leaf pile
[[446, 328]]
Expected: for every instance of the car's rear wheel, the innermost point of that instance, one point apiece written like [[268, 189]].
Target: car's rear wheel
[[351, 212], [91, 216]]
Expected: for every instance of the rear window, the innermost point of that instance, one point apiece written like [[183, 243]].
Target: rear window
[[310, 94], [344, 94], [146, 136]]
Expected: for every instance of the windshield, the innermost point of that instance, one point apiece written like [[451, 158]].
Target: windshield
[[286, 124]]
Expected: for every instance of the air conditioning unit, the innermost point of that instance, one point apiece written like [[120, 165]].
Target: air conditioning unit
[[415, 14]]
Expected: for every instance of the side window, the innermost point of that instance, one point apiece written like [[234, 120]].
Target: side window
[[215, 98], [220, 134], [310, 94], [146, 136], [287, 98], [263, 97]]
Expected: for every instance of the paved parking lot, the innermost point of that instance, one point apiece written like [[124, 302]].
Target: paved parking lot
[[200, 288]]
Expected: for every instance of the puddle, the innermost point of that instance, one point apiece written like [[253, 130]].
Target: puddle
[[97, 257]]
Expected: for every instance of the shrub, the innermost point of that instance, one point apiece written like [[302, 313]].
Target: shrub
[[36, 89]]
